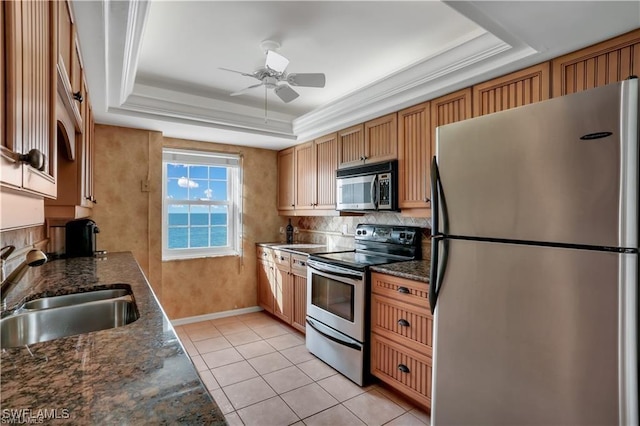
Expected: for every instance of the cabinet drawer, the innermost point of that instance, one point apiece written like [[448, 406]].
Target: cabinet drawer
[[282, 257], [264, 253], [407, 371], [407, 324], [299, 264], [402, 289]]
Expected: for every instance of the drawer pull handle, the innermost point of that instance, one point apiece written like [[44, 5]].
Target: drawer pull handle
[[403, 290], [403, 322], [281, 257], [403, 368]]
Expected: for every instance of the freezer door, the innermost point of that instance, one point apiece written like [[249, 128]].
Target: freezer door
[[533, 335], [526, 174]]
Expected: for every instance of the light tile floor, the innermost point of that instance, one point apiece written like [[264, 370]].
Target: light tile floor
[[259, 372]]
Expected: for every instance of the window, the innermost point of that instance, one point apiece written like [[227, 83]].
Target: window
[[201, 209]]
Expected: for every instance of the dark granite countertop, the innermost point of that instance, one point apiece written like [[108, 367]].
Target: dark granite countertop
[[417, 270], [135, 374]]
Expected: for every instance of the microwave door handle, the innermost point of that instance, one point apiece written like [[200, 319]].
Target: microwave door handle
[[374, 192]]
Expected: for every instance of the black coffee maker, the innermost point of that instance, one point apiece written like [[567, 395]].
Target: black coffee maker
[[80, 239]]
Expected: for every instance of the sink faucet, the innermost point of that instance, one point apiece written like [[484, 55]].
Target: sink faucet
[[34, 258]]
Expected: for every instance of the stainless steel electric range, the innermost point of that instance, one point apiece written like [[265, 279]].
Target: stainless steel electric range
[[338, 295]]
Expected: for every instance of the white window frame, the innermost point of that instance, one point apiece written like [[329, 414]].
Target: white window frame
[[233, 164]]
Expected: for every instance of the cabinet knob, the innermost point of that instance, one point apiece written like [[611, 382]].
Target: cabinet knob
[[403, 368], [78, 97], [293, 205], [35, 158], [403, 322]]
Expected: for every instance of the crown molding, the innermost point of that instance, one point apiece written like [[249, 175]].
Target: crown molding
[[431, 77], [155, 102], [136, 21]]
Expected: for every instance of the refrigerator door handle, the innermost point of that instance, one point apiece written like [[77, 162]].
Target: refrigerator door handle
[[436, 274]]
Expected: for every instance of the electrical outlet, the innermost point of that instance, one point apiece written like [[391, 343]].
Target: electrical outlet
[[144, 185]]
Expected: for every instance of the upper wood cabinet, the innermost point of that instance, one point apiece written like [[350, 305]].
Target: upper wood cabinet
[[512, 90], [305, 179], [30, 52], [286, 179], [381, 139], [313, 182], [351, 146], [75, 169], [607, 62], [449, 109], [370, 142], [326, 152], [414, 156], [69, 64]]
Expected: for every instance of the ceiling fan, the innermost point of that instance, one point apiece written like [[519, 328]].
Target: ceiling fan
[[274, 76]]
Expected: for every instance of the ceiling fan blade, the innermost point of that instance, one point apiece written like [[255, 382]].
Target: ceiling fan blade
[[306, 80], [239, 72], [276, 62], [286, 93], [246, 89]]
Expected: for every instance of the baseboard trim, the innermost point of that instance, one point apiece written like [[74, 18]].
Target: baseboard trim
[[215, 315]]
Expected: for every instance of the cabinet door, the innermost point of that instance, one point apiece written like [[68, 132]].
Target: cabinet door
[[414, 157], [88, 195], [30, 84], [449, 109], [65, 40], [305, 185], [283, 294], [513, 90], [381, 139], [299, 301], [326, 165], [408, 371], [266, 274], [607, 62], [286, 178], [11, 171], [351, 146]]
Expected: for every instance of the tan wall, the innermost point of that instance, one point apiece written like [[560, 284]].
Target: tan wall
[[130, 220]]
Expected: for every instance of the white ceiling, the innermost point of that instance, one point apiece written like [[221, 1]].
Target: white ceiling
[[155, 65]]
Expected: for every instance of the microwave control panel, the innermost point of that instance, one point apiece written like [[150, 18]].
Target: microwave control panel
[[384, 191]]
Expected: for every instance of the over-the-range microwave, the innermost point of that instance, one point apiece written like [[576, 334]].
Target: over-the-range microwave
[[370, 187]]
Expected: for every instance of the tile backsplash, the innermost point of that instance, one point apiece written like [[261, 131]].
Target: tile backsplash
[[338, 231], [21, 239]]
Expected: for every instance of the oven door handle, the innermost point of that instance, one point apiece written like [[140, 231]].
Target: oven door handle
[[317, 266], [341, 340]]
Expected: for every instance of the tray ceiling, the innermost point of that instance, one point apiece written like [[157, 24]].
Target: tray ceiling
[[155, 65]]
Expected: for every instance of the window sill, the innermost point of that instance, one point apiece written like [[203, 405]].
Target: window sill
[[200, 256]]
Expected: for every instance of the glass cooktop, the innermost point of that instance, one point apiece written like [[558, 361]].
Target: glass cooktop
[[354, 259]]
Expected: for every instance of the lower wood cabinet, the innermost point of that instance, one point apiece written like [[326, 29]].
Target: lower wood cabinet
[[402, 336], [282, 285]]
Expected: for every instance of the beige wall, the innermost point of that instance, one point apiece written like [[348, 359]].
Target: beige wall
[[130, 220]]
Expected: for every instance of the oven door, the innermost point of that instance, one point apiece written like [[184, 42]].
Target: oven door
[[357, 193], [336, 298]]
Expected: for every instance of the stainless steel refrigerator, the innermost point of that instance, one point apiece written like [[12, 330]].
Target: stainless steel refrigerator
[[535, 264]]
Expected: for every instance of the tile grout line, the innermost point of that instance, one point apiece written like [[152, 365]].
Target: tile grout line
[[270, 322]]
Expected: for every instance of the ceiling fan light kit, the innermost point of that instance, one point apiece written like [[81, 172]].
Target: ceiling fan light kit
[[274, 76]]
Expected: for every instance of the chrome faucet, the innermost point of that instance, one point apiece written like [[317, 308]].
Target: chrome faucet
[[34, 258]]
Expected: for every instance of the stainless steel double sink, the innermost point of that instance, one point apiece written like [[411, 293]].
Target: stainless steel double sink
[[50, 318]]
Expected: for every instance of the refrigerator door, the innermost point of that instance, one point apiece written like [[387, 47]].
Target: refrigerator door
[[526, 174], [533, 335]]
